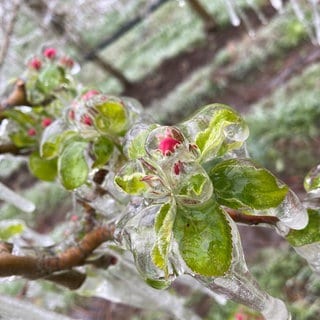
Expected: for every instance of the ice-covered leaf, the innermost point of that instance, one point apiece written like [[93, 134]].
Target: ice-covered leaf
[[241, 184], [102, 150], [10, 228], [113, 117], [130, 178], [163, 226], [135, 140], [310, 234], [41, 168], [204, 238], [52, 136], [216, 129], [24, 119], [72, 165], [312, 179], [50, 78]]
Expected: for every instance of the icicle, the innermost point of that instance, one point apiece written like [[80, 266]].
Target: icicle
[[15, 199], [258, 12], [277, 4], [302, 19], [316, 18], [245, 20], [235, 20]]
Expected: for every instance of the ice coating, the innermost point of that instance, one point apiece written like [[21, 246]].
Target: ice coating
[[137, 233], [292, 213], [235, 20], [240, 286], [311, 252], [277, 4], [316, 18], [15, 199]]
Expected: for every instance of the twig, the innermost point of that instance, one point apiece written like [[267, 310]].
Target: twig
[[44, 267], [251, 220], [12, 149]]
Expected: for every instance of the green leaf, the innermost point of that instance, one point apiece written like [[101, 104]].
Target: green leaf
[[114, 117], [158, 284], [204, 238], [43, 169], [25, 120], [240, 184], [163, 226], [312, 179], [132, 183], [50, 78], [21, 139], [194, 185], [136, 146], [310, 234], [216, 129], [72, 165], [8, 230], [102, 150]]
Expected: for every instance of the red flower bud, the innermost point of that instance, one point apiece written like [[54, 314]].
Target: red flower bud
[[32, 132], [167, 145], [178, 167], [71, 114], [67, 62], [90, 94], [50, 53], [86, 120], [35, 63], [46, 122]]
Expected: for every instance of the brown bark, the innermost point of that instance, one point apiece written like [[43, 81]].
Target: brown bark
[[209, 22]]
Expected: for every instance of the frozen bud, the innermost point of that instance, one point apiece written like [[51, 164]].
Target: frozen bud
[[35, 64], [46, 122], [67, 62], [86, 120], [50, 53], [89, 94], [32, 132], [167, 145], [178, 167]]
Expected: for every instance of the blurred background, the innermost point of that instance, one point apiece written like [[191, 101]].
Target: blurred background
[[261, 57]]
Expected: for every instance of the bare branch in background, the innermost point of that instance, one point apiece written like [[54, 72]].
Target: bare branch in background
[[8, 31]]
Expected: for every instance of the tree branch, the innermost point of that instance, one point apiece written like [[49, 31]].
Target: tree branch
[[251, 220], [44, 267]]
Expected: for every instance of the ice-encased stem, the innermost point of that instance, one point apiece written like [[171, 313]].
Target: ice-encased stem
[[15, 199], [240, 286]]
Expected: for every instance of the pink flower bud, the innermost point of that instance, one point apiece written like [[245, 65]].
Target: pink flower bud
[[178, 167], [67, 62], [35, 63], [46, 122], [90, 94], [86, 120], [167, 145], [71, 114], [50, 53], [32, 132]]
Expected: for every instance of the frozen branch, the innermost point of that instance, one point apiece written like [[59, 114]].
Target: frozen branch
[[251, 220], [55, 268]]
